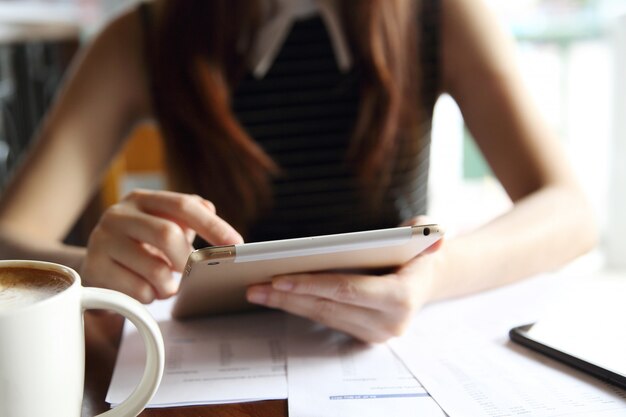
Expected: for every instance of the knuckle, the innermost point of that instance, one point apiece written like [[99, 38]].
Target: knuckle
[[346, 291], [405, 305], [111, 215], [135, 195], [276, 300], [158, 272], [210, 206], [303, 285], [143, 293], [404, 302], [183, 203], [396, 329], [97, 238], [206, 203], [323, 310], [396, 325], [168, 233]]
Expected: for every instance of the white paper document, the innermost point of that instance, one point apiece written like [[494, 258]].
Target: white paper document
[[331, 374], [224, 359], [460, 352]]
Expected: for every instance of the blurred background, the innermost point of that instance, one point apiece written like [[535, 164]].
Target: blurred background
[[572, 54]]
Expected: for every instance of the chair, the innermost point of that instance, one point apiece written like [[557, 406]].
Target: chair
[[139, 165]]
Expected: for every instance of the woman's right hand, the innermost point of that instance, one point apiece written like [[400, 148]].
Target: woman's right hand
[[139, 242]]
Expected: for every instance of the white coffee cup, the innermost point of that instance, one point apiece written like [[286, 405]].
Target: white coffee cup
[[42, 348]]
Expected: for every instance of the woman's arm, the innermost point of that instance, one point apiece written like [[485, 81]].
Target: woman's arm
[[102, 97], [551, 221], [549, 224], [140, 241]]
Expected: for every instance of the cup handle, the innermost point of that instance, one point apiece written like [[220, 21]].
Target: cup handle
[[98, 298]]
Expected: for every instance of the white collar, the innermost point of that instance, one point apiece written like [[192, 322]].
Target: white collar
[[279, 18]]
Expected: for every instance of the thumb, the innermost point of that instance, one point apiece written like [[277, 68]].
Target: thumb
[[418, 220]]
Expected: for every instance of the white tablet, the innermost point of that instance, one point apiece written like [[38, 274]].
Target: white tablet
[[215, 278]]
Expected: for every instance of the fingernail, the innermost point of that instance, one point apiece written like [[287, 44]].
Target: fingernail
[[257, 295], [234, 238], [282, 285]]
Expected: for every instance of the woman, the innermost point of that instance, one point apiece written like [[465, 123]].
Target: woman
[[321, 129]]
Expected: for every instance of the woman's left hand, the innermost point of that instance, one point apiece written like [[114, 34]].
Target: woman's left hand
[[370, 308]]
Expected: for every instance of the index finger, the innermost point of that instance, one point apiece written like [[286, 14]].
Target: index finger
[[190, 210], [373, 292]]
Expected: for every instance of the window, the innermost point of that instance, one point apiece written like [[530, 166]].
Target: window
[[566, 54]]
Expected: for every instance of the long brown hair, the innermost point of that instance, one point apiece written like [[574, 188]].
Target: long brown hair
[[197, 55]]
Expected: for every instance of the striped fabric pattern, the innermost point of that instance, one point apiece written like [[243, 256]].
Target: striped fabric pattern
[[303, 114]]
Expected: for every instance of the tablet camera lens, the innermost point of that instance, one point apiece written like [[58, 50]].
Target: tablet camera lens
[[426, 231]]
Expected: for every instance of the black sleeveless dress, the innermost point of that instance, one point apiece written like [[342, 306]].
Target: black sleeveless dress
[[303, 112]]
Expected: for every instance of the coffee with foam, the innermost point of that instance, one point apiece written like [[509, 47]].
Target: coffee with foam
[[20, 287]]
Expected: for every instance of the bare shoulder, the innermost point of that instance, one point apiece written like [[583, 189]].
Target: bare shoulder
[[475, 44]]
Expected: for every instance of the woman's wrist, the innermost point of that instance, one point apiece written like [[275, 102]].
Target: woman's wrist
[[438, 278], [425, 277]]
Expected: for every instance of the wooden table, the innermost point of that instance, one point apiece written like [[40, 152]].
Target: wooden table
[[103, 332]]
